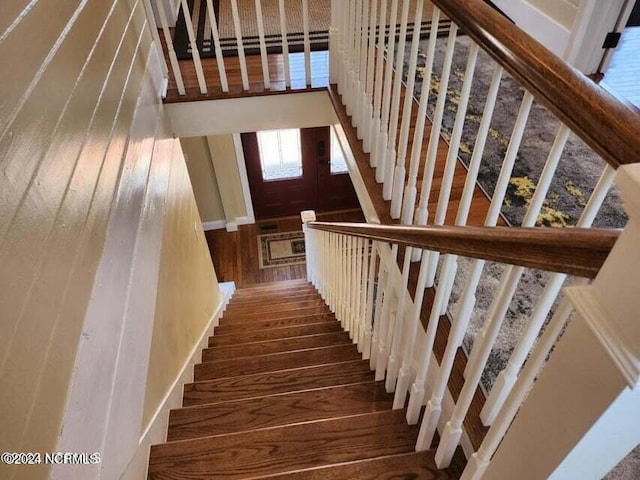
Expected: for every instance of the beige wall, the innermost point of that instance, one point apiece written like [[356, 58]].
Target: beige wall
[[562, 11], [85, 171], [223, 155], [203, 178], [182, 311]]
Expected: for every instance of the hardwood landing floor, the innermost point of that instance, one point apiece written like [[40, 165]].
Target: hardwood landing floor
[[277, 78], [235, 254]]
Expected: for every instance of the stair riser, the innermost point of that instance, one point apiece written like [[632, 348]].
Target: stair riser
[[260, 314], [287, 308], [251, 325], [275, 333], [273, 301], [275, 362], [274, 292], [275, 346]]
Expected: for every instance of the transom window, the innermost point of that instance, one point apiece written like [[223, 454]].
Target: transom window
[[280, 154], [338, 164]]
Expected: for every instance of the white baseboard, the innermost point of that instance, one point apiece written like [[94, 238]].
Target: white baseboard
[[157, 431], [214, 225]]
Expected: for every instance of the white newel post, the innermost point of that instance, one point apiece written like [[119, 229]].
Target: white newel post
[[582, 415], [308, 216]]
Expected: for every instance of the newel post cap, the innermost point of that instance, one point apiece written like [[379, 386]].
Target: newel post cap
[[308, 216]]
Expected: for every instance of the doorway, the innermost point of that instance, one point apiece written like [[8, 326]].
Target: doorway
[[297, 169]]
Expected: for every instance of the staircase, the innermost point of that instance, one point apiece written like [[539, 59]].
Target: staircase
[[283, 393]]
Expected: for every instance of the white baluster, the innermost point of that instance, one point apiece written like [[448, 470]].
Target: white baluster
[[390, 161], [241, 57], [452, 157], [175, 65], [404, 375], [350, 20], [334, 281], [385, 317], [347, 22], [400, 171], [351, 245], [499, 306], [411, 191], [436, 128], [344, 274], [357, 317], [195, 53], [378, 83], [367, 109], [478, 149], [362, 70], [368, 318], [285, 43], [465, 305], [213, 23], [307, 42], [263, 46], [364, 291], [334, 32], [355, 90], [382, 280], [479, 461], [383, 136], [507, 378], [393, 364]]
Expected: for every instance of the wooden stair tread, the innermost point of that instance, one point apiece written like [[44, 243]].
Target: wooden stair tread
[[238, 314], [275, 361], [235, 304], [278, 410], [274, 346], [275, 333], [255, 325], [263, 315], [273, 383], [408, 466], [282, 449]]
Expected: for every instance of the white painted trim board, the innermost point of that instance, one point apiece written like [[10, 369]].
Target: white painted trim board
[[156, 432]]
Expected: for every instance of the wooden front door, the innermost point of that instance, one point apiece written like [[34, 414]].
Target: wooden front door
[[296, 169]]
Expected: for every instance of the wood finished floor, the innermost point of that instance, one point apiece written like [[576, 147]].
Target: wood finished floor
[[235, 254], [277, 77], [623, 76]]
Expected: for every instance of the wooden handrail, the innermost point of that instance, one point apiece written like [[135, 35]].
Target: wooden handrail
[[610, 126], [576, 251]]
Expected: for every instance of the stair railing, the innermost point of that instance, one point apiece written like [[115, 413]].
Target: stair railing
[[213, 78], [581, 108], [351, 264]]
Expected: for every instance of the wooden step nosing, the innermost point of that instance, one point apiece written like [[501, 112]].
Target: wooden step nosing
[[262, 328], [274, 394], [352, 462], [281, 394], [280, 299], [264, 309], [295, 424], [281, 339], [274, 355], [285, 370], [274, 315], [272, 329]]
